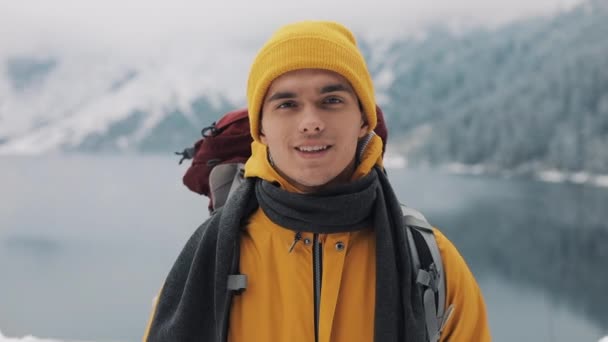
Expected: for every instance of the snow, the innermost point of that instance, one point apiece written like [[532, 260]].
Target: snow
[[458, 168], [580, 177], [603, 339], [556, 176], [549, 176], [30, 338], [603, 182], [27, 338], [85, 93], [552, 176]]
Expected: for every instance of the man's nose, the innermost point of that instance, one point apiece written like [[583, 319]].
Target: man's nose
[[311, 122]]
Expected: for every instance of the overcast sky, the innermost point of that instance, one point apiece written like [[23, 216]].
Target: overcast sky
[[145, 24]]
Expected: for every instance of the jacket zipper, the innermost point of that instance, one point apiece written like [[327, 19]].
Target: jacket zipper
[[317, 264]]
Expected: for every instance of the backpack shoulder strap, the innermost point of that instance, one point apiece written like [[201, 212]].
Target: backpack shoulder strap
[[428, 269], [223, 181]]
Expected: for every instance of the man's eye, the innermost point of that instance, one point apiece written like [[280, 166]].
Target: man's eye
[[333, 100], [287, 104]]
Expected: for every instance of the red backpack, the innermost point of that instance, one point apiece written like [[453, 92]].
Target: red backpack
[[218, 157]]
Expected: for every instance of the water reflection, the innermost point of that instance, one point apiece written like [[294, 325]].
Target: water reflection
[[544, 236], [89, 260]]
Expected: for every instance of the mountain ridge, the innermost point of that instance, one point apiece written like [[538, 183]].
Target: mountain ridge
[[531, 95]]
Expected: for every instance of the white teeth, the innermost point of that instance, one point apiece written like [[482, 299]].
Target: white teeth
[[312, 148]]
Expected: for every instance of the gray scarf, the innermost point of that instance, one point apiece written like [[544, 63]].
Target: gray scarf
[[194, 304], [367, 202]]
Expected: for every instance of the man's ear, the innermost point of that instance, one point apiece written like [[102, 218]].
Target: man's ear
[[262, 135], [363, 130], [364, 127]]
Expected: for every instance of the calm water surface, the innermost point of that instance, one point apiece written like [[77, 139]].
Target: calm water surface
[[85, 243]]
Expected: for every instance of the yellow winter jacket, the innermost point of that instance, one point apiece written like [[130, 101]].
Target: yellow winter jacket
[[278, 304]]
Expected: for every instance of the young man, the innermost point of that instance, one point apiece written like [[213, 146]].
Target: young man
[[316, 227]]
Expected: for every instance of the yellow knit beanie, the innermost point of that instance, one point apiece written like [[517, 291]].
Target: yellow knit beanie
[[309, 45]]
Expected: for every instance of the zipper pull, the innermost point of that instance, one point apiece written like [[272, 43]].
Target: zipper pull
[[296, 238]]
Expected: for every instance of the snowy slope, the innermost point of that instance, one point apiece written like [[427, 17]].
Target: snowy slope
[[56, 101], [517, 97], [27, 338]]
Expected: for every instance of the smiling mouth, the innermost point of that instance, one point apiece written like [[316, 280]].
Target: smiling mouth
[[313, 149]]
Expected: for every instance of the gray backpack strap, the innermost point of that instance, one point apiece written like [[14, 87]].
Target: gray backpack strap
[[239, 178], [431, 278], [223, 180]]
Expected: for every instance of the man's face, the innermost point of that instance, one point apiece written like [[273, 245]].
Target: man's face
[[311, 123]]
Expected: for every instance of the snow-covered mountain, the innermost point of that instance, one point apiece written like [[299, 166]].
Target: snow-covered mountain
[[529, 95], [95, 103]]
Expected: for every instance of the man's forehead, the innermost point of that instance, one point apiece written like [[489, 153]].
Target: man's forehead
[[318, 80]]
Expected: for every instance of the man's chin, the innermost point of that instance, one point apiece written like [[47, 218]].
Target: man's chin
[[313, 183], [317, 182], [307, 182]]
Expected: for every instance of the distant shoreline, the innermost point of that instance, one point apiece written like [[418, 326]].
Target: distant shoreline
[[395, 161], [548, 175]]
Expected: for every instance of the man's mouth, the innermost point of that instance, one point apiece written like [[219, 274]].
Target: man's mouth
[[313, 149]]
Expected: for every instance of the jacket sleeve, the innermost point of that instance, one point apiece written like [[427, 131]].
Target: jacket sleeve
[[469, 321], [154, 303]]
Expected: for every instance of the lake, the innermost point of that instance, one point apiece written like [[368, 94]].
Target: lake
[[85, 243]]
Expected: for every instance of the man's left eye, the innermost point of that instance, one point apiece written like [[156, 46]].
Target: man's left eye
[[333, 100]]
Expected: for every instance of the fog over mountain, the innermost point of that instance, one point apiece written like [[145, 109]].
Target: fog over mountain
[[529, 94]]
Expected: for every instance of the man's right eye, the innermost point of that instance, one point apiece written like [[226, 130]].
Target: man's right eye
[[287, 104]]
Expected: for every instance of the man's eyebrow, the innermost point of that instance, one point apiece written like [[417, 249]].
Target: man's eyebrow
[[336, 87], [280, 96]]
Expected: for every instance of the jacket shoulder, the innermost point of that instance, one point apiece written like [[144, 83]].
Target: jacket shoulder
[[468, 321]]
